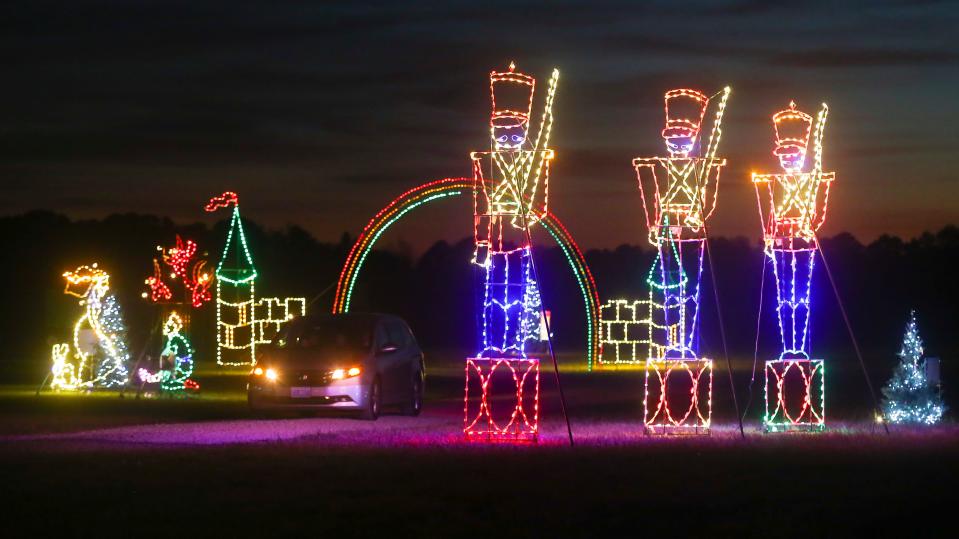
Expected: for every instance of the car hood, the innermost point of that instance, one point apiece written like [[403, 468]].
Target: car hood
[[312, 358]]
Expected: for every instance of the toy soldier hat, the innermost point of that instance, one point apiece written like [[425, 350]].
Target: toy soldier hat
[[792, 130], [512, 96], [684, 112]]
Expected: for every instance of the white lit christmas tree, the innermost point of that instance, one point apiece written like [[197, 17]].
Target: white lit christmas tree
[[909, 398], [112, 370]]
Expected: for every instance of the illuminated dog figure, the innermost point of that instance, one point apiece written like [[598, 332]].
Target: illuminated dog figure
[[100, 361]]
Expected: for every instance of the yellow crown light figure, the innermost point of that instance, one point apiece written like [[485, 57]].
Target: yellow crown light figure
[[679, 196], [792, 207], [509, 196]]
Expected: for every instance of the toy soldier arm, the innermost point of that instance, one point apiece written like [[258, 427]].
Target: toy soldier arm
[[481, 210], [713, 144], [535, 198], [765, 184], [649, 190], [536, 188], [710, 189], [822, 199], [825, 178]]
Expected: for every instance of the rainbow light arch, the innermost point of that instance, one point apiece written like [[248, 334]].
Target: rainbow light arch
[[450, 187]]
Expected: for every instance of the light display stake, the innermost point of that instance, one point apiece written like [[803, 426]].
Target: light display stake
[[100, 351], [510, 193], [679, 195], [908, 396], [792, 206]]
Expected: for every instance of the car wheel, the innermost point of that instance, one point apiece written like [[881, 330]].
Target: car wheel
[[373, 403], [414, 405]]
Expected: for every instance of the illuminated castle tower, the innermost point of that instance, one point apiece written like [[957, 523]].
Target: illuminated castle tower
[[792, 207], [509, 194], [679, 195], [235, 291]]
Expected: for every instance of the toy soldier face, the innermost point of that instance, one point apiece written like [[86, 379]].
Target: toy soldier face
[[509, 137], [792, 162], [680, 146]]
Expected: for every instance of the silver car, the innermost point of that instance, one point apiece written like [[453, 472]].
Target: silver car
[[358, 362]]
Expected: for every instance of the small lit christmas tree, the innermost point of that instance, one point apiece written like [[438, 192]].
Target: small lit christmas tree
[[909, 398], [532, 318], [112, 370]]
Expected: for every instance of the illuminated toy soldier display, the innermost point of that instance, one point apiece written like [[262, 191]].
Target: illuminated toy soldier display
[[679, 195], [792, 207], [509, 196]]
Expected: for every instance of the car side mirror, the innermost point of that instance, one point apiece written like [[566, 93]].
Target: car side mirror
[[388, 348]]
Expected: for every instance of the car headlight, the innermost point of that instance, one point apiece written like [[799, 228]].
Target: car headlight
[[271, 375], [340, 374]]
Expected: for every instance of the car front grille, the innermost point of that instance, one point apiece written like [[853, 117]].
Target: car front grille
[[307, 378]]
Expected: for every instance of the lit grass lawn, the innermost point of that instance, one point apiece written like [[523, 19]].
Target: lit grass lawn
[[21, 412]]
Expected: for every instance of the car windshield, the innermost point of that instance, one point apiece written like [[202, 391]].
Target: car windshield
[[334, 334]]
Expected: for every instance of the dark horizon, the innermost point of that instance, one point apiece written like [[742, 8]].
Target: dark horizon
[[397, 245], [321, 114]]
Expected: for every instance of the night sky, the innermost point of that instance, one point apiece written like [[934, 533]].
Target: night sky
[[319, 114]]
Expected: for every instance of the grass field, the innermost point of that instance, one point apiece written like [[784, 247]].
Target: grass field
[[100, 465]]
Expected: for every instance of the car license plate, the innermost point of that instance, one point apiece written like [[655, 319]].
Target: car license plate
[[300, 392]]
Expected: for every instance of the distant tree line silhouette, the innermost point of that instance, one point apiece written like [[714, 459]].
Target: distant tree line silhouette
[[436, 292]]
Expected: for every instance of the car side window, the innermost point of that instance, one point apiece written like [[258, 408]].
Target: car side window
[[382, 336], [397, 333]]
